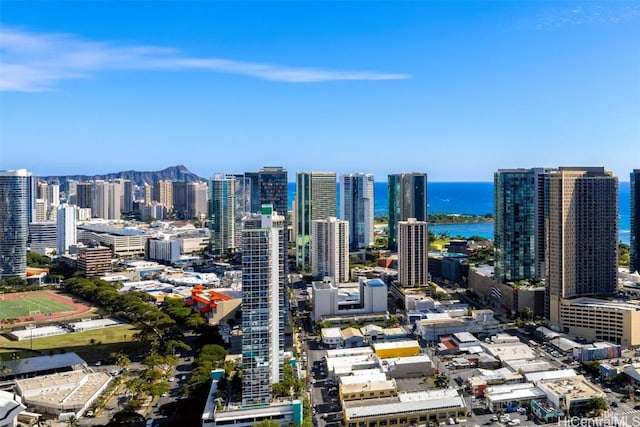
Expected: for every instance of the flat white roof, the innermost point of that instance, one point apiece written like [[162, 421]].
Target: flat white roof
[[404, 403], [331, 333], [465, 337], [550, 375], [358, 379], [509, 392]]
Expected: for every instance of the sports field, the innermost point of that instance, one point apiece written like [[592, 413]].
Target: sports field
[[32, 304]]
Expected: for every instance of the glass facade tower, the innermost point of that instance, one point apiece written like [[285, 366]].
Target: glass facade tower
[[634, 261], [407, 195], [356, 207], [14, 223]]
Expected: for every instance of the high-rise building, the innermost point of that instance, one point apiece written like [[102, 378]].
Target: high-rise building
[[53, 195], [407, 199], [42, 191], [41, 210], [222, 210], [330, 249], [268, 186], [413, 246], [127, 196], [71, 192], [162, 192], [356, 206], [180, 199], [198, 200], [101, 200], [14, 224], [66, 233], [32, 191], [634, 261], [263, 314], [581, 211], [115, 198], [315, 199], [147, 193], [519, 224], [84, 195]]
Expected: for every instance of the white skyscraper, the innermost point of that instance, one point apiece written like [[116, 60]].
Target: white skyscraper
[[263, 296], [330, 249], [356, 206], [66, 234], [413, 248]]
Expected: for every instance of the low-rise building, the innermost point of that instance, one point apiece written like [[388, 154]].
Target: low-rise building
[[66, 392], [214, 306], [352, 337], [405, 409], [331, 337], [282, 412], [372, 333], [368, 390], [508, 397], [385, 350], [573, 394], [10, 407], [368, 296], [408, 367]]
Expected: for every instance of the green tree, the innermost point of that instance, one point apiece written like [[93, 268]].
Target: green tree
[[267, 423], [598, 405]]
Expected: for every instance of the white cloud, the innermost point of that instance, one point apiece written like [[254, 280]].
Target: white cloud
[[586, 15], [34, 62]]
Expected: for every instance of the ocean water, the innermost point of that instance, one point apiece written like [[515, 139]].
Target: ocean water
[[473, 198]]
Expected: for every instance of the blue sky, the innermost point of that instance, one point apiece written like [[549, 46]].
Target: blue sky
[[454, 89]]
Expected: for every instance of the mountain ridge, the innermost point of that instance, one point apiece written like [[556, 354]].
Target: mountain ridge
[[172, 173]]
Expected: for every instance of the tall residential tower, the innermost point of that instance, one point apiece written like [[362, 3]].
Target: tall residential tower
[[356, 206], [581, 211], [407, 199], [263, 314], [14, 224], [519, 224], [634, 264], [413, 245], [330, 249], [222, 211], [315, 199]]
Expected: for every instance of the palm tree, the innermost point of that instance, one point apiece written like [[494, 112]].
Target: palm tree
[[73, 421]]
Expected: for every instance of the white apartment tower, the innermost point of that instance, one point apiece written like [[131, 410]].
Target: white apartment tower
[[330, 249], [263, 280], [66, 233], [413, 248], [356, 206]]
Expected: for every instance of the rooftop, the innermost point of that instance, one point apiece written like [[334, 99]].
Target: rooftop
[[43, 363], [404, 403], [69, 389], [574, 388]]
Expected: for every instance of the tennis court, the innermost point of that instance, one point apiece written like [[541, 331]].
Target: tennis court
[[28, 304]]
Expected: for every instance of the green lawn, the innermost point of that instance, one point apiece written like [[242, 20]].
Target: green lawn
[[30, 305], [91, 345]]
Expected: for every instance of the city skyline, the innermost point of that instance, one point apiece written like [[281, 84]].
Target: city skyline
[[337, 86]]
